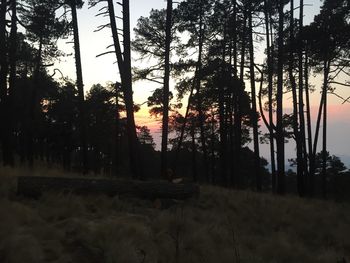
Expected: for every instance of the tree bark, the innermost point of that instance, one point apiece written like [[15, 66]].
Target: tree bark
[[124, 66], [239, 99], [164, 146], [281, 188], [135, 164], [309, 130], [324, 134], [80, 86], [258, 178], [117, 132], [270, 92], [12, 81], [5, 94], [30, 122], [222, 122], [199, 96], [298, 139], [3, 55], [194, 154], [233, 175], [301, 99]]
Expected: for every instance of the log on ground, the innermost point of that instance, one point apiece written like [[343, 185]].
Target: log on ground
[[34, 186]]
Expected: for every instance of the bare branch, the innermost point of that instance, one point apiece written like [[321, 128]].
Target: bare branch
[[339, 83], [340, 97], [105, 53], [103, 8], [99, 28], [103, 13], [153, 80]]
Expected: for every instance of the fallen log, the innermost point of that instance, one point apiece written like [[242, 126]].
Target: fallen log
[[34, 186]]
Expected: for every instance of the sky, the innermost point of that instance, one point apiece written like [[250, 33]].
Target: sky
[[104, 69]]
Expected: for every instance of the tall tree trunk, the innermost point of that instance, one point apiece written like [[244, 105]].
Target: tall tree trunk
[[233, 109], [222, 122], [135, 165], [182, 132], [164, 161], [309, 130], [212, 149], [314, 146], [318, 125], [258, 177], [12, 81], [3, 55], [281, 188], [196, 84], [270, 92], [124, 66], [199, 96], [117, 132], [194, 157], [239, 100], [115, 36], [300, 172], [5, 130], [324, 135], [30, 122], [80, 86], [301, 100]]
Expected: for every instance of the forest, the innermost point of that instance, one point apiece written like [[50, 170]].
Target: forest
[[226, 96], [226, 72]]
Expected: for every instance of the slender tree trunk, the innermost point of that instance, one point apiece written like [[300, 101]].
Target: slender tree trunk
[[199, 96], [5, 99], [80, 86], [3, 55], [258, 177], [182, 132], [135, 164], [239, 100], [124, 66], [233, 174], [324, 135], [298, 141], [10, 116], [117, 131], [212, 148], [301, 99], [314, 147], [30, 123], [194, 157], [270, 92], [281, 188], [164, 161], [116, 43], [317, 129], [309, 130], [222, 122]]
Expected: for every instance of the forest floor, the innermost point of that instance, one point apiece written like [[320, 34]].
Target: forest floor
[[219, 226]]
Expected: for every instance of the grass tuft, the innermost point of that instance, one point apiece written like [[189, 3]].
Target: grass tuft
[[220, 226]]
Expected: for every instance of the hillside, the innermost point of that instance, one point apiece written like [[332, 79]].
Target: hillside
[[220, 226]]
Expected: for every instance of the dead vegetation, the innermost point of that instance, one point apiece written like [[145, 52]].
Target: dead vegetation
[[220, 226]]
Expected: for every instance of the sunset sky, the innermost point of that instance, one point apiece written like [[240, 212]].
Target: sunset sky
[[103, 69]]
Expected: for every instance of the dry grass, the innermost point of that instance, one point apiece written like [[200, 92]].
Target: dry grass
[[220, 226]]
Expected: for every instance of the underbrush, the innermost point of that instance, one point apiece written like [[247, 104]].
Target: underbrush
[[220, 226]]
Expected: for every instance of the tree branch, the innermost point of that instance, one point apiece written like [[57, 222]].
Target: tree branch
[[105, 53]]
